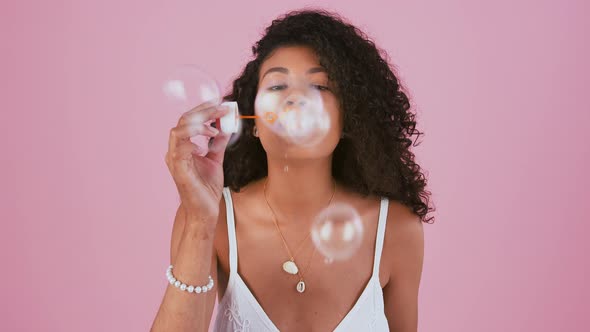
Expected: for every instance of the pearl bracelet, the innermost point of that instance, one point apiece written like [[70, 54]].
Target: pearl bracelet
[[183, 287]]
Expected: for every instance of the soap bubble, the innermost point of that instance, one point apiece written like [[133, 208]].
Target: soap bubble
[[337, 232], [294, 112], [189, 86]]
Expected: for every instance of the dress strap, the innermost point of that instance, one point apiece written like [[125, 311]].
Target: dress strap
[[231, 231], [380, 235]]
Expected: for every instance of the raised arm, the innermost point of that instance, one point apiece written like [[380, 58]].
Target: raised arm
[[198, 175], [194, 259]]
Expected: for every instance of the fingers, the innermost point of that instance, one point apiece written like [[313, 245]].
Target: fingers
[[217, 147], [194, 122], [186, 150], [182, 152], [202, 114], [203, 106], [182, 134]]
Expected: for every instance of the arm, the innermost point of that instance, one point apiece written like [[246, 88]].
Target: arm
[[405, 243], [193, 257]]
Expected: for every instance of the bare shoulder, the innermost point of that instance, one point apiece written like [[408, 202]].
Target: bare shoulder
[[404, 247], [404, 239], [240, 200], [402, 221]]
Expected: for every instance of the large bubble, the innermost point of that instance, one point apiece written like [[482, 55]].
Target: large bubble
[[294, 110], [189, 86]]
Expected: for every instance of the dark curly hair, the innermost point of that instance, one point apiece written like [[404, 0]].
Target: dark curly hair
[[374, 156]]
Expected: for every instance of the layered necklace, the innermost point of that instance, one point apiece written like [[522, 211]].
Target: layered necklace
[[290, 266]]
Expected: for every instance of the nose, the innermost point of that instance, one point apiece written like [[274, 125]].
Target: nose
[[296, 100]]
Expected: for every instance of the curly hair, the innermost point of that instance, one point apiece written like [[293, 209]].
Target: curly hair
[[374, 155]]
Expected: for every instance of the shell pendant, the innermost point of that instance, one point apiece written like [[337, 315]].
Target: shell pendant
[[301, 286], [290, 267]]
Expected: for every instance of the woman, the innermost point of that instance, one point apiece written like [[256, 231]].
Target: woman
[[259, 196]]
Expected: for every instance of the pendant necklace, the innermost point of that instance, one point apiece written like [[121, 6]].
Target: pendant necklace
[[290, 266]]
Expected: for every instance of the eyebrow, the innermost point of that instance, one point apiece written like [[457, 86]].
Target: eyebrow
[[286, 71]]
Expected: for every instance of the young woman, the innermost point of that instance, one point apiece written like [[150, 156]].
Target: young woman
[[240, 201]]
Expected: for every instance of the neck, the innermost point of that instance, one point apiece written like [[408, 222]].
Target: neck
[[301, 191]]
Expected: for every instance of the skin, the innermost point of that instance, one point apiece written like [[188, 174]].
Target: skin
[[332, 289]]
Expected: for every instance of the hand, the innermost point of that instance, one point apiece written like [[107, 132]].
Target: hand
[[198, 171]]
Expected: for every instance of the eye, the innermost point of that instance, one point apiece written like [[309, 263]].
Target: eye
[[321, 87], [277, 87]]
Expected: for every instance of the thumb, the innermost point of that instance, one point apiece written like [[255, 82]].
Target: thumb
[[217, 147]]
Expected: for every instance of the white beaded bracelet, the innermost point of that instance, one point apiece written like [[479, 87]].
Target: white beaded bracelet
[[183, 287]]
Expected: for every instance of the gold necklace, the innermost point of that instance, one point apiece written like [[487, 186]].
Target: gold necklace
[[290, 266]]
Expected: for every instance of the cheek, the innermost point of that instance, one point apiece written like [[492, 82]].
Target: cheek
[[332, 106]]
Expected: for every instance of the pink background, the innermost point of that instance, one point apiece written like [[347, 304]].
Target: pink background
[[87, 202]]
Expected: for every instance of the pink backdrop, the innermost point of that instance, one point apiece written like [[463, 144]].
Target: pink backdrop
[[87, 202]]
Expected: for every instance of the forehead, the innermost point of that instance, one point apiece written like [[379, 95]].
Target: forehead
[[294, 58]]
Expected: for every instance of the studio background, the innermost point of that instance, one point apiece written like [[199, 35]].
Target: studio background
[[87, 202]]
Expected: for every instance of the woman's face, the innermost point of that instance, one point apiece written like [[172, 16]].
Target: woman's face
[[292, 71]]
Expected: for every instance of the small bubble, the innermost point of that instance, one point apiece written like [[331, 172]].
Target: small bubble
[[337, 232], [286, 169]]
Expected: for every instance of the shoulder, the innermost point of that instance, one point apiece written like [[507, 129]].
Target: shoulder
[[402, 222], [404, 246], [241, 201], [404, 239]]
